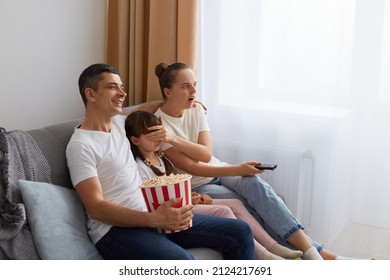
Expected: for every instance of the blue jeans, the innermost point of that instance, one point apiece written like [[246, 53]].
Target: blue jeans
[[233, 238], [263, 203]]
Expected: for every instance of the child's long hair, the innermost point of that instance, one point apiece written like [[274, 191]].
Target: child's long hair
[[137, 123]]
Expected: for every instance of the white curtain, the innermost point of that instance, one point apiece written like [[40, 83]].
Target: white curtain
[[309, 75]]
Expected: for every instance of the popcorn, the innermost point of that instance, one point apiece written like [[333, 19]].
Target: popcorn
[[165, 180], [162, 188]]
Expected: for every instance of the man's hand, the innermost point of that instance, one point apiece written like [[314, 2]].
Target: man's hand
[[168, 217], [196, 102]]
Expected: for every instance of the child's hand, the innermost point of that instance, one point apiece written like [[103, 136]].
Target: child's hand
[[196, 198], [205, 199]]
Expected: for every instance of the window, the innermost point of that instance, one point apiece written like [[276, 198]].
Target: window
[[384, 88], [279, 52]]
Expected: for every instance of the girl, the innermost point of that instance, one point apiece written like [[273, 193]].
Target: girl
[[152, 163]]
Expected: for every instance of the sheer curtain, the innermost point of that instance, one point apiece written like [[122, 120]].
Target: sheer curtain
[[312, 75]]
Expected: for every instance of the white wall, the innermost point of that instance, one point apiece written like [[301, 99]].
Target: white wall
[[44, 46]]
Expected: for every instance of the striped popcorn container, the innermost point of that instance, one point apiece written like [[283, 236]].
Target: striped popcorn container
[[164, 188]]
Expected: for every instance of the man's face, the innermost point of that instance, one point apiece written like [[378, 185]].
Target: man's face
[[110, 95]]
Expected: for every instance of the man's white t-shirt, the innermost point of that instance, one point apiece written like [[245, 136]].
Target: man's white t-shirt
[[188, 127], [106, 155]]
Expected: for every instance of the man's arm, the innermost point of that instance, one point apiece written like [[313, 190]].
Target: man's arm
[[151, 107], [107, 212]]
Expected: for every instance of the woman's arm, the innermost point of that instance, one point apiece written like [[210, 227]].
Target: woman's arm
[[193, 167], [201, 151]]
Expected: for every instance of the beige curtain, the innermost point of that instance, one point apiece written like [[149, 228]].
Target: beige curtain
[[143, 33]]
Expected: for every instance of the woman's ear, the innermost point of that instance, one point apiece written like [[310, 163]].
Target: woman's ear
[[167, 92]]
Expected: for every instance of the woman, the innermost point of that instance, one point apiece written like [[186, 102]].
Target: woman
[[187, 139]]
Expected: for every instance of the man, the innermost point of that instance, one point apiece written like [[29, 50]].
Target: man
[[106, 179]]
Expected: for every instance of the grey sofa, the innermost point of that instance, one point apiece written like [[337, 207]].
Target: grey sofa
[[39, 219]]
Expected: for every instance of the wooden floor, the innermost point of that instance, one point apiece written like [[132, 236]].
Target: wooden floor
[[362, 242]]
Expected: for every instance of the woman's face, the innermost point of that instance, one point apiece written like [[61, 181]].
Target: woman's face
[[183, 91]]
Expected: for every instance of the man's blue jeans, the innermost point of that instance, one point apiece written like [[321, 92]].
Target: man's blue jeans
[[233, 238], [262, 202]]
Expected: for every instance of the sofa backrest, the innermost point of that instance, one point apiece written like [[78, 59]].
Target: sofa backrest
[[52, 141]]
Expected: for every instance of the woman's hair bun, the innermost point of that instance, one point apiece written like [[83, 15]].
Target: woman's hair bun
[[160, 68]]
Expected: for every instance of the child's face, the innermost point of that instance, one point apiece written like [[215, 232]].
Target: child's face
[[145, 145]]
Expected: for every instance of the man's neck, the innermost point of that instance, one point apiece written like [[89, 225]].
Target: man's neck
[[97, 122]]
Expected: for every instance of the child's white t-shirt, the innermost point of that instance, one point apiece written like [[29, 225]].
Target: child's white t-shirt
[[146, 172]]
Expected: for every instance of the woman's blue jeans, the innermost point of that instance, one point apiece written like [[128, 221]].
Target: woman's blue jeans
[[233, 238], [263, 203]]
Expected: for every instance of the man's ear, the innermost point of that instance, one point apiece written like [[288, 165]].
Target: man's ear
[[90, 95]]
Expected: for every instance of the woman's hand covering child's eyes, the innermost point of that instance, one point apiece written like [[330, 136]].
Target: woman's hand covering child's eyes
[[158, 133]]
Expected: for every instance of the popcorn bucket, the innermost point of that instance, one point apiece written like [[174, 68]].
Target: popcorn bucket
[[164, 188]]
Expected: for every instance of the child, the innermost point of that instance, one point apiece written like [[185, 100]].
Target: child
[[152, 163]]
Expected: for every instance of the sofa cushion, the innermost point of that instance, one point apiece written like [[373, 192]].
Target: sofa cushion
[[58, 222]]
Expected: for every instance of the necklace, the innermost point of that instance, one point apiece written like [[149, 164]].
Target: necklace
[[159, 154], [168, 165]]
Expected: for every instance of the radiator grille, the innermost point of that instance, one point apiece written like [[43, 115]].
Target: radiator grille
[[292, 179]]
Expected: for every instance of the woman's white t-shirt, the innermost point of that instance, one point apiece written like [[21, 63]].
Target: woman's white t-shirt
[[188, 127]]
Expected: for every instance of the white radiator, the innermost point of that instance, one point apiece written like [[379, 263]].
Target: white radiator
[[292, 179]]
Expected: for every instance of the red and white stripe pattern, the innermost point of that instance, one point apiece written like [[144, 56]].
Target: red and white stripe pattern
[[155, 196]]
